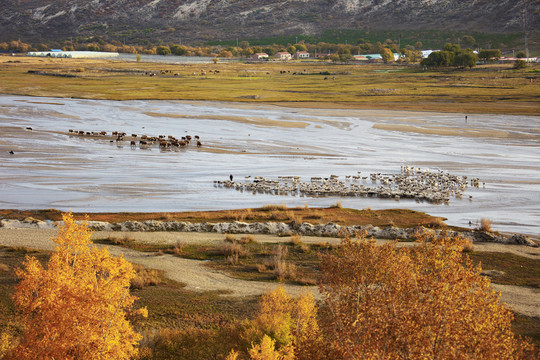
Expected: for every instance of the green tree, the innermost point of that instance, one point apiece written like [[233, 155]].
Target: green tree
[[163, 50], [489, 54], [269, 50], [521, 55], [345, 57], [291, 49], [439, 59], [468, 41], [300, 47], [520, 64], [465, 59], [77, 307], [178, 50], [334, 57], [452, 47]]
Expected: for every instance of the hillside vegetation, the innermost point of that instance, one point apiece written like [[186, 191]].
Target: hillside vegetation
[[191, 21]]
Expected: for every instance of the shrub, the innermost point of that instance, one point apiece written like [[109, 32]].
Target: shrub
[[296, 239], [485, 225], [520, 64], [179, 247], [246, 239], [145, 277]]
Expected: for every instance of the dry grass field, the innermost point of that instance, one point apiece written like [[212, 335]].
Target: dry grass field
[[491, 88]]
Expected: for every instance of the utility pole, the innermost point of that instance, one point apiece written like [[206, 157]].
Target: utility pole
[[525, 25]]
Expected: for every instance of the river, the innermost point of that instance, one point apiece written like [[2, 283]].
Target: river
[[50, 169]]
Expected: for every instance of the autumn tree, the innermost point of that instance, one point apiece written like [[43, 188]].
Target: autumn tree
[[76, 308], [285, 327], [387, 55], [419, 302]]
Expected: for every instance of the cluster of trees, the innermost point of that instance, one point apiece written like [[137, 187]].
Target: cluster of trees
[[243, 48], [451, 55], [424, 301]]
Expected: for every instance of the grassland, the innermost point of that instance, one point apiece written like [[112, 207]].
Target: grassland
[[485, 89]]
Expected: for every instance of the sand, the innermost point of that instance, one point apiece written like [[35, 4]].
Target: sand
[[198, 277]]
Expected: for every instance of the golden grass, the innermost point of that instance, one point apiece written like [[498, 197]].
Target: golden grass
[[145, 277], [486, 89]]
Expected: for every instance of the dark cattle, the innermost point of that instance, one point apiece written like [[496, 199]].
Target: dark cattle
[[133, 143], [142, 142], [134, 135], [11, 152], [29, 128], [70, 130], [199, 144]]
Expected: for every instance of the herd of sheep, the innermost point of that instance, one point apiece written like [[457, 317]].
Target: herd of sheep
[[411, 183]]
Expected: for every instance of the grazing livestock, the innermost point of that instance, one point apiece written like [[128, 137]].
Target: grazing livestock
[[423, 185], [29, 128]]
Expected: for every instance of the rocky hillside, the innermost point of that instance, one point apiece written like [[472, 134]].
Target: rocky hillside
[[202, 20]]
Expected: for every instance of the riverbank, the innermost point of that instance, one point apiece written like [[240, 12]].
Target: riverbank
[[496, 89]]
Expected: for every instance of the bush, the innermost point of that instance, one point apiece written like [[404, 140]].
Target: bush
[[485, 225], [520, 64]]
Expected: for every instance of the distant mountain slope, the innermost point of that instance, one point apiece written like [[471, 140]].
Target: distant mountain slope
[[201, 20]]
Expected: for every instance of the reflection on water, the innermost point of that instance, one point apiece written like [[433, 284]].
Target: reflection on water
[[53, 170]]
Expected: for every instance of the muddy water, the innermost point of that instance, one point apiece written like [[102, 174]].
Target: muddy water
[[51, 169]]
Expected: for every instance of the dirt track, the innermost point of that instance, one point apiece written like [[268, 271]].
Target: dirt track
[[200, 278]]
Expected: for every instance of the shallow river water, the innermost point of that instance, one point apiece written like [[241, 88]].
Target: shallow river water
[[50, 169]]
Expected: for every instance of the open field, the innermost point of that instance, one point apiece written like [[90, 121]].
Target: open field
[[486, 89]]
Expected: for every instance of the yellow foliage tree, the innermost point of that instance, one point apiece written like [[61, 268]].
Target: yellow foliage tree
[[266, 351], [77, 307], [420, 302], [291, 324]]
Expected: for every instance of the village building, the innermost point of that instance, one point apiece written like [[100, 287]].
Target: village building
[[259, 56], [360, 58], [301, 55], [283, 56]]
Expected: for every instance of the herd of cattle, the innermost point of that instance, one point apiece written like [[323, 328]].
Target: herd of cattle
[[143, 141]]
